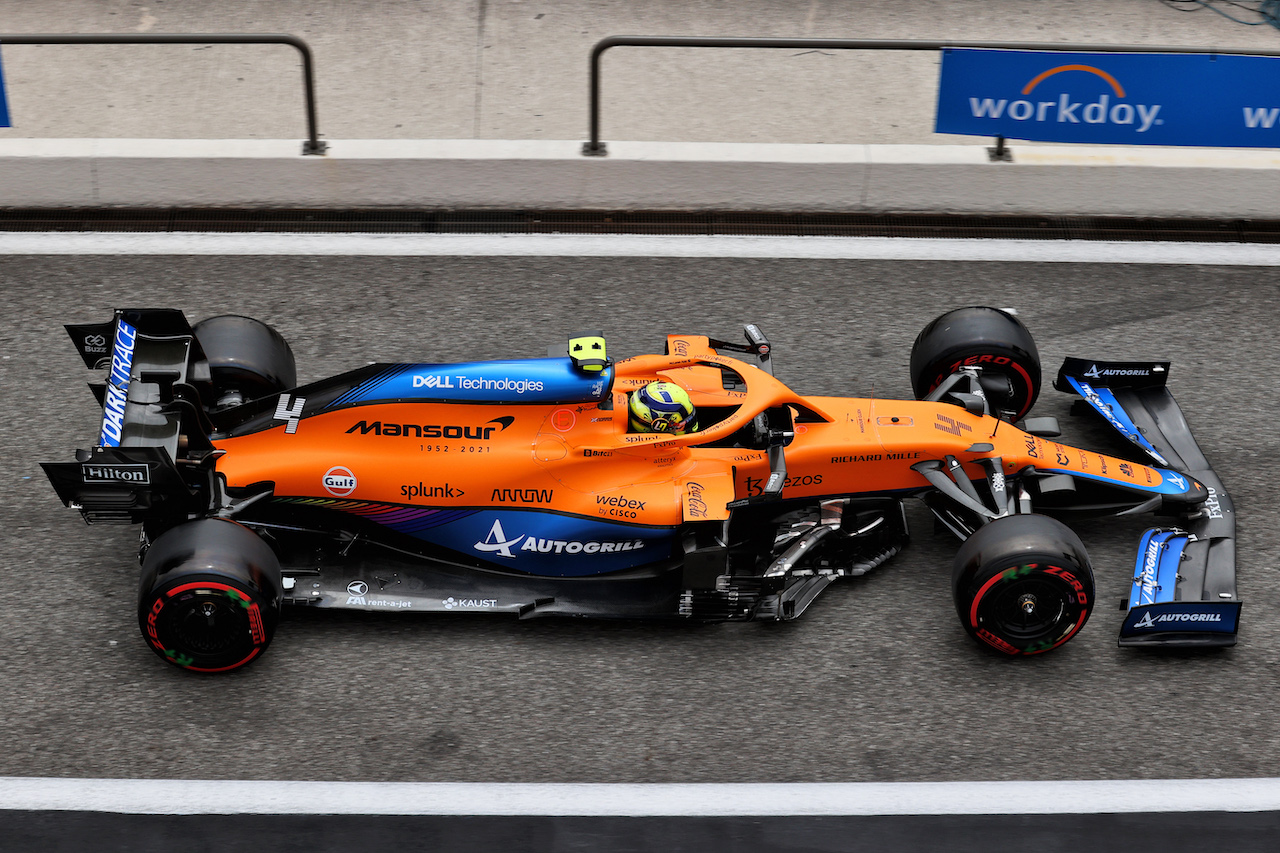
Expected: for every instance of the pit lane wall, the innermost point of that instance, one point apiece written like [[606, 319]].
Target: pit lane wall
[[551, 174]]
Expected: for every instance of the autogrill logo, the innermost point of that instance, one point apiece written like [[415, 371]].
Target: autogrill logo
[[1108, 411], [1064, 110], [498, 543], [1151, 619], [1147, 589], [1094, 373]]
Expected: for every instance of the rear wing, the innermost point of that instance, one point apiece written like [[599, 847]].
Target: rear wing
[[1184, 585], [152, 420]]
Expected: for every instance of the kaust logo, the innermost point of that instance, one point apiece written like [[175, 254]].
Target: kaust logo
[[1110, 108]]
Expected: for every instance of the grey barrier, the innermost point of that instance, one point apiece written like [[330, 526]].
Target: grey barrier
[[313, 144]]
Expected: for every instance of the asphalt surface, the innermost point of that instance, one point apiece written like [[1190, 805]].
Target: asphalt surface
[[877, 682]]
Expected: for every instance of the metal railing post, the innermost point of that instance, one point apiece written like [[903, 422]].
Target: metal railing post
[[595, 148], [313, 144]]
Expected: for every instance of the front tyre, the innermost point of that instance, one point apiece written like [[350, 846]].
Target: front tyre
[[210, 596], [987, 338], [1023, 584]]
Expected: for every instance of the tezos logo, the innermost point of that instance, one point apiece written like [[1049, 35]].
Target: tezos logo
[[339, 481]]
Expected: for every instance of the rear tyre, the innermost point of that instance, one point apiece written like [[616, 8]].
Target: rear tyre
[[989, 338], [247, 358], [210, 596], [1023, 584]]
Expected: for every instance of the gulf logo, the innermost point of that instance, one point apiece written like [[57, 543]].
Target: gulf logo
[[339, 481]]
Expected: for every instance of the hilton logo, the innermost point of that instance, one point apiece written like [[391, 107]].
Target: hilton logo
[[137, 475]]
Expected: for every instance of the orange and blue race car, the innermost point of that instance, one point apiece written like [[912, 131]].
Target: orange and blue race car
[[519, 487]]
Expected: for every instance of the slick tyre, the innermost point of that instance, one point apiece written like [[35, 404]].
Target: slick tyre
[[247, 358], [989, 338], [210, 596], [1023, 584]]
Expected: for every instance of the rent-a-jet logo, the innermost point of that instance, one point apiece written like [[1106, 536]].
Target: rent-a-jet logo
[[1037, 106]]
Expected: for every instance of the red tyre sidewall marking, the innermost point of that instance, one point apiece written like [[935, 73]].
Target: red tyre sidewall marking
[[257, 631], [1026, 377], [1052, 570], [253, 654], [977, 599]]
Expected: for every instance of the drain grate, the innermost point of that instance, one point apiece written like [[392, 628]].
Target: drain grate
[[401, 221]]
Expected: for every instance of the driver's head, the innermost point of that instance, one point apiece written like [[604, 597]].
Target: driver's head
[[662, 407]]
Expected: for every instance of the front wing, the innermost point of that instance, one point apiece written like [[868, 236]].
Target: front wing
[[1184, 585]]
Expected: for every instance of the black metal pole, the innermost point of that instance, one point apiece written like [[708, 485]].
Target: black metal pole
[[313, 145], [596, 148]]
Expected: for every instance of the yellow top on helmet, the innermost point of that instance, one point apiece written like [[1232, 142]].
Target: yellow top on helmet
[[662, 407]]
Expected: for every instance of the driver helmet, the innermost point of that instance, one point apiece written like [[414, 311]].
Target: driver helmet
[[662, 407]]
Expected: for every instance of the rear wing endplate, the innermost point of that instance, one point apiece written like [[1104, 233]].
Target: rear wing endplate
[[152, 416]]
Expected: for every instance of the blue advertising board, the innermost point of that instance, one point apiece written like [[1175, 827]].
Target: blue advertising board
[[1117, 98], [4, 102]]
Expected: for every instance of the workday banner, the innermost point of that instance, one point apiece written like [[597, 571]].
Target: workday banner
[[1122, 98]]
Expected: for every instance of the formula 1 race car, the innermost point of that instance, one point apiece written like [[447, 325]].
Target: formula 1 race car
[[516, 486]]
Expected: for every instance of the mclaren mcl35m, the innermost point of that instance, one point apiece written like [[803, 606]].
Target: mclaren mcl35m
[[518, 487]]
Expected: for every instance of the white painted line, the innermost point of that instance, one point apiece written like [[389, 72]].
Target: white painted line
[[1025, 154], [570, 151], [627, 245], [162, 796]]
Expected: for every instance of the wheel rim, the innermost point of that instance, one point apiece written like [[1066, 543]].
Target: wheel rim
[[206, 626], [1025, 608], [1028, 609]]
